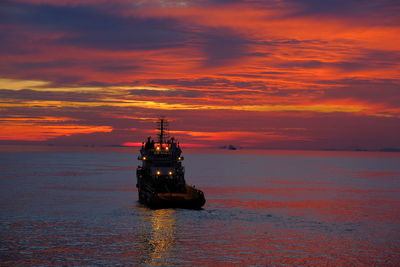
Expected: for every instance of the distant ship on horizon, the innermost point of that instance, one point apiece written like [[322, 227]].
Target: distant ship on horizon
[[161, 178], [229, 147]]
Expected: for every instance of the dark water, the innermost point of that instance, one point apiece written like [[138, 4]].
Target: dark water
[[274, 208]]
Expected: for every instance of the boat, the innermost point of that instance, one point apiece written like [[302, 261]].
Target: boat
[[161, 176]]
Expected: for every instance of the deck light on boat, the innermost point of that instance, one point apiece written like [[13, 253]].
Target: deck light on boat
[[158, 148], [179, 158], [170, 173], [158, 172], [144, 158], [166, 148]]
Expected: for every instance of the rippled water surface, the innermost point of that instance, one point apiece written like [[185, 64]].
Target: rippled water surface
[[274, 208]]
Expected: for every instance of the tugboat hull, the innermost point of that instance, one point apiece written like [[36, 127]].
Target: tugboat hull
[[191, 199], [161, 177]]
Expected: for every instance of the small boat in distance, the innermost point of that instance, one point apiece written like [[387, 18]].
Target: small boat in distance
[[161, 178], [229, 147]]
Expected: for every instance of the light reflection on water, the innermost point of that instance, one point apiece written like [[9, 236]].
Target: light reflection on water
[[162, 235], [263, 208]]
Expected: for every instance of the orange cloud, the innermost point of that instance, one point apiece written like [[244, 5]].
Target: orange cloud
[[244, 136], [43, 128]]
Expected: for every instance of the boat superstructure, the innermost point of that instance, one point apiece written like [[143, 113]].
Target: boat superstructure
[[161, 177]]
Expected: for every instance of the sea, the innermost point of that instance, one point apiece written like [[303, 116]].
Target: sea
[[78, 206]]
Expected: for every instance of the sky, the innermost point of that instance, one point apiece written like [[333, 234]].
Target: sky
[[288, 74]]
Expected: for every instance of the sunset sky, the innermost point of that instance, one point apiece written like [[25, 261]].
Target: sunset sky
[[293, 74]]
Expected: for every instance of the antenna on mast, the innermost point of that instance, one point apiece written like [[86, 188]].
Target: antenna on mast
[[162, 126]]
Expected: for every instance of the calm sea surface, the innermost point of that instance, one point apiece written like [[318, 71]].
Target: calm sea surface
[[264, 208]]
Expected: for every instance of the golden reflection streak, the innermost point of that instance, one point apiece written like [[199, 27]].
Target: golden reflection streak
[[162, 235]]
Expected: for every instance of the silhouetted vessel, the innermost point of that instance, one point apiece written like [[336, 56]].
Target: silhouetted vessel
[[161, 178]]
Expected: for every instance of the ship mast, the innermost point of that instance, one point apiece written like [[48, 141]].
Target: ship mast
[[162, 125]]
